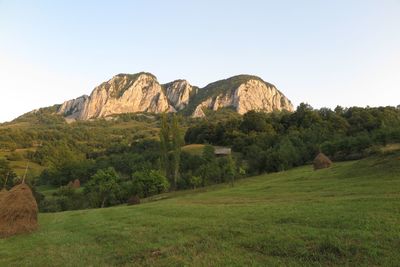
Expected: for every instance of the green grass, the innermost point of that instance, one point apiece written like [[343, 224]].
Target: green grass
[[19, 166], [194, 149], [348, 215], [47, 190]]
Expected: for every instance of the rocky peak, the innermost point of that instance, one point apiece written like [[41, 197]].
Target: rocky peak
[[141, 92], [72, 108], [258, 95], [126, 94], [243, 93], [178, 93]]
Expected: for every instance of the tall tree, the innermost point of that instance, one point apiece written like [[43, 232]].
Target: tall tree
[[176, 150], [208, 153], [209, 171], [165, 144], [230, 169]]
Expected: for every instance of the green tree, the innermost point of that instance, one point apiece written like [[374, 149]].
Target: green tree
[[230, 169], [165, 144], [209, 173], [254, 121], [208, 153], [148, 182], [171, 143], [176, 150], [103, 186], [288, 156]]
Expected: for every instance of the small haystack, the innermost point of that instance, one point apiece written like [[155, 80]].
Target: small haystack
[[133, 200], [76, 184], [321, 162], [4, 191], [18, 211], [3, 194]]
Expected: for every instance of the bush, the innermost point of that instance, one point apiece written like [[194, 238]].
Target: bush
[[49, 205], [195, 181], [149, 182]]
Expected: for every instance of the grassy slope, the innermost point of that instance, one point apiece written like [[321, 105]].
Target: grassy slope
[[347, 215], [19, 166], [195, 149]]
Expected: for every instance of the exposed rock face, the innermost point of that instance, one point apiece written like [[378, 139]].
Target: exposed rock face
[[72, 108], [256, 95], [122, 94], [126, 94], [179, 93], [251, 95], [129, 93]]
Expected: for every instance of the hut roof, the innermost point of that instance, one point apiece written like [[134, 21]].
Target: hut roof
[[222, 151]]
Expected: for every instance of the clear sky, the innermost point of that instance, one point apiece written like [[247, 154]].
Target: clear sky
[[325, 53]]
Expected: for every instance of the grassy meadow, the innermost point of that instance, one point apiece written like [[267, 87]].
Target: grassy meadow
[[194, 149], [348, 215], [18, 161]]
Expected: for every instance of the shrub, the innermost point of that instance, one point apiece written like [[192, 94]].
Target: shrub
[[149, 182]]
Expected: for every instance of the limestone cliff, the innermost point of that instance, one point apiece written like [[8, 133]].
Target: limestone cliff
[[179, 93], [129, 93], [73, 108], [253, 94], [124, 93]]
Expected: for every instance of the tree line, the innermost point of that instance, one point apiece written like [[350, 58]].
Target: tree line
[[142, 156]]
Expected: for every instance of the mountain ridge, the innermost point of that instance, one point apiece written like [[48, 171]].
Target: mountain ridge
[[141, 92]]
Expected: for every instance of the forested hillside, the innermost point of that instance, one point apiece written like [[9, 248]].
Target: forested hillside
[[122, 155]]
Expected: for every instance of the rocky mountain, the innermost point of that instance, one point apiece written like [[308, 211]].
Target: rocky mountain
[[242, 93], [74, 107], [179, 92], [141, 92]]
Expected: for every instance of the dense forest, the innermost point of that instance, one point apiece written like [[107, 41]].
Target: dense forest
[[134, 156]]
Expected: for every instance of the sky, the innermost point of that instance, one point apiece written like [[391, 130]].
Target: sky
[[325, 53]]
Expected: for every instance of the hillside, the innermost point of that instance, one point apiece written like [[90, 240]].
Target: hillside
[[32, 138], [346, 215]]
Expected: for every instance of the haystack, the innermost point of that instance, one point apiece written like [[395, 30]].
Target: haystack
[[76, 184], [133, 200], [18, 211], [321, 162], [3, 193]]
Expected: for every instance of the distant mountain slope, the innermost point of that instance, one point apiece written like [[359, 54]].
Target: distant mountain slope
[[141, 92]]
